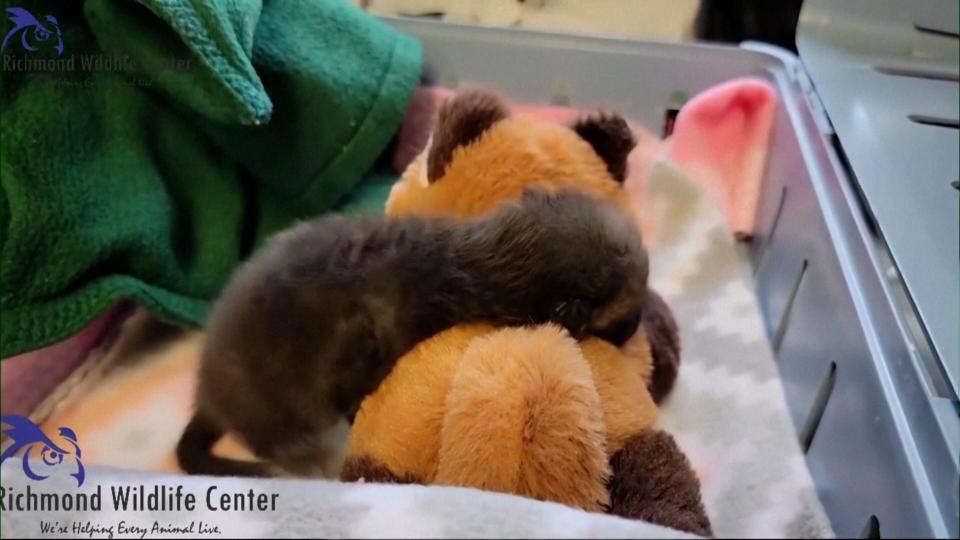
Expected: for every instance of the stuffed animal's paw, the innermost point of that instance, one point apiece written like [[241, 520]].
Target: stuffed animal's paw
[[664, 338], [366, 469], [652, 481]]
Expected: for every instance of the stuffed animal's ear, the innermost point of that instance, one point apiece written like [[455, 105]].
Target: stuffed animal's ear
[[461, 120], [611, 138]]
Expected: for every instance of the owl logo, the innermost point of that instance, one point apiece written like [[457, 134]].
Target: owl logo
[[27, 437], [33, 33]]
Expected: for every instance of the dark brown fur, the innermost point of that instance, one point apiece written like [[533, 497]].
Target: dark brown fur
[[366, 469], [312, 324], [652, 481], [611, 138], [664, 339], [460, 121]]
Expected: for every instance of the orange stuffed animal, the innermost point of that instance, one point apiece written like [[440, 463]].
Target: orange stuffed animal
[[528, 410]]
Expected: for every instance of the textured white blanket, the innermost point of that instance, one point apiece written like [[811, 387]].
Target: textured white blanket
[[728, 411], [306, 509]]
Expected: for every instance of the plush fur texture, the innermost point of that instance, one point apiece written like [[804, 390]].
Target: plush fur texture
[[371, 470], [399, 425], [652, 481], [552, 403], [545, 440], [512, 155], [611, 138], [460, 126], [664, 339], [315, 321], [519, 152], [515, 410]]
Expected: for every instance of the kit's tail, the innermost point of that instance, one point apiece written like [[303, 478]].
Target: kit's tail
[[195, 452]]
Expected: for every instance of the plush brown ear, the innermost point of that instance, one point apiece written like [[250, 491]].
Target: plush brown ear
[[462, 119], [611, 138]]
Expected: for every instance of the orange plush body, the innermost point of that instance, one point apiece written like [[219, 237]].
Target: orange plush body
[[527, 410]]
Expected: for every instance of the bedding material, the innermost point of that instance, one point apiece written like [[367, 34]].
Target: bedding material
[[313, 509], [721, 138], [727, 411], [149, 146], [27, 379]]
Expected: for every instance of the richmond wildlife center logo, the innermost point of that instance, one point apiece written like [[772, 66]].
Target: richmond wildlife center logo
[[39, 454], [29, 45], [33, 34]]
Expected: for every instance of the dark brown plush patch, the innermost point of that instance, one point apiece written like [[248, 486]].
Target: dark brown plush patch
[[462, 119], [611, 138], [652, 481], [367, 469], [664, 339]]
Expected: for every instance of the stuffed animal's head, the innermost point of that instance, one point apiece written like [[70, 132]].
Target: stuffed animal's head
[[479, 155]]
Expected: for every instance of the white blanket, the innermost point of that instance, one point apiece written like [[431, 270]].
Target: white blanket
[[307, 509], [728, 411]]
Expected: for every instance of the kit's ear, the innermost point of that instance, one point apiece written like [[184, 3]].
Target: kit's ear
[[461, 120], [611, 138]]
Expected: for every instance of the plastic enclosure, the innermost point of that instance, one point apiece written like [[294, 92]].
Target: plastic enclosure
[[890, 79], [882, 439]]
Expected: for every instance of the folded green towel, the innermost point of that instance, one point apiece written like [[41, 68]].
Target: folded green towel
[[158, 146]]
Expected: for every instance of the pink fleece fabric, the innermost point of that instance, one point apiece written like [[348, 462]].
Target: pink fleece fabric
[[720, 138], [27, 379]]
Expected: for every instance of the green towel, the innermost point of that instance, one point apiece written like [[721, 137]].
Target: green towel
[[170, 138]]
